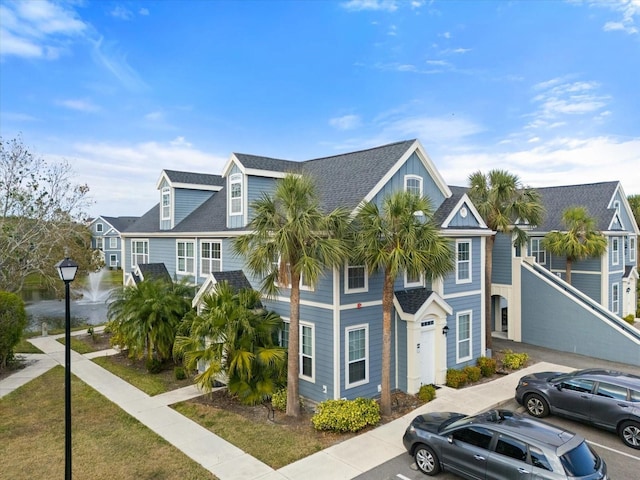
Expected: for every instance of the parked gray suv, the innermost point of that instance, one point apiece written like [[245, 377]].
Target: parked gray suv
[[500, 445], [603, 398]]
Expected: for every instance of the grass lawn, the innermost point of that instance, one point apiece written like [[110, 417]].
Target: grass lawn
[[107, 443]]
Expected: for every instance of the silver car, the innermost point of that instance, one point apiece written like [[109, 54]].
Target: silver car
[[500, 445], [606, 399]]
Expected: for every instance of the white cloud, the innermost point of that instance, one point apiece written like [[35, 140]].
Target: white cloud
[[154, 116], [359, 5], [630, 11], [79, 105], [346, 122], [37, 29], [144, 12], [121, 12], [116, 63]]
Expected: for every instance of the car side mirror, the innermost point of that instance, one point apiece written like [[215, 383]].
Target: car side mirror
[[558, 386], [450, 439]]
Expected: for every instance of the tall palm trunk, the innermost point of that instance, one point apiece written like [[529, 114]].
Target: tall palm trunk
[[293, 365], [387, 304], [488, 319], [568, 272]]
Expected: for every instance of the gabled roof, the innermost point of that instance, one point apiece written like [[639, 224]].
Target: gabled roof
[[199, 181], [258, 163], [235, 278], [120, 223], [148, 271], [595, 197], [147, 223], [418, 301]]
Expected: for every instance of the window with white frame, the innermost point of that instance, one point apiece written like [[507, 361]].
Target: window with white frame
[[463, 261], [615, 251], [632, 248], [413, 280], [99, 228], [357, 355], [538, 252], [113, 260], [185, 257], [413, 184], [113, 242], [463, 336], [99, 243], [166, 203], [356, 279], [210, 257], [283, 335], [615, 298], [139, 252], [235, 194], [306, 351], [616, 206]]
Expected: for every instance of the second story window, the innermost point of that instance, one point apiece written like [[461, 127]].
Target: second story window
[[113, 242], [235, 194], [632, 249], [537, 251], [139, 252], [99, 228], [166, 203], [185, 258], [463, 261], [356, 279], [413, 184], [615, 251], [99, 243], [210, 258]]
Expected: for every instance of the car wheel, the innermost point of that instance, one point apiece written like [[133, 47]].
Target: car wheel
[[536, 405], [426, 460], [630, 434]]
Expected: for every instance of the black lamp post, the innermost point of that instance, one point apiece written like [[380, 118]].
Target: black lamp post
[[67, 269]]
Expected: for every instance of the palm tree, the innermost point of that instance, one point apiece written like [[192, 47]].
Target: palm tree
[[393, 240], [144, 318], [292, 237], [234, 336], [504, 203], [579, 242]]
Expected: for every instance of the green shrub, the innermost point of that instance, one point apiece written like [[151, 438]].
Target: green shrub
[[473, 373], [13, 320], [153, 365], [514, 361], [279, 399], [426, 393], [487, 366], [456, 378], [180, 373], [346, 415], [630, 319]]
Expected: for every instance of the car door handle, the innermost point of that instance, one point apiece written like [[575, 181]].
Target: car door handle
[[523, 470], [479, 457]]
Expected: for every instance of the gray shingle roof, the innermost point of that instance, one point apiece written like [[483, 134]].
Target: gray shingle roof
[[147, 223], [257, 162], [153, 271], [211, 216], [121, 223], [194, 178], [235, 278], [411, 300], [445, 208], [595, 197]]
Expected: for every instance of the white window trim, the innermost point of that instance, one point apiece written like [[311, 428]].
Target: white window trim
[[113, 260], [470, 340], [458, 279], [233, 179], [615, 300], [100, 243], [541, 251], [113, 242], [632, 248], [134, 254], [281, 338], [99, 228], [413, 177], [616, 206], [201, 258], [408, 284], [301, 285], [312, 378], [186, 257], [348, 290], [615, 251], [166, 192], [349, 384]]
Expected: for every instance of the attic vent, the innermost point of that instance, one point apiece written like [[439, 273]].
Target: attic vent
[[427, 323]]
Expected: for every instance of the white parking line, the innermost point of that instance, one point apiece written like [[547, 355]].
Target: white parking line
[[402, 477], [634, 457]]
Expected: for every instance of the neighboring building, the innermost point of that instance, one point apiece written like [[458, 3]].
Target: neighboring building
[[106, 238], [341, 316], [532, 303]]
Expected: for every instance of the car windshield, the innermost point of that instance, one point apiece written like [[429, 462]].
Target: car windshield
[[580, 461], [458, 420], [563, 376]]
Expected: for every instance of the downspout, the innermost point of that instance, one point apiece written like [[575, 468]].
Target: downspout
[[336, 333]]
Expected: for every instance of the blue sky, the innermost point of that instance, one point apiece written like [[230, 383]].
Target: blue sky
[[548, 90]]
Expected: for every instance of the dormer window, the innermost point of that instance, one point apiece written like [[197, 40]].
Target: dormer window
[[166, 203], [413, 184], [235, 194], [99, 228]]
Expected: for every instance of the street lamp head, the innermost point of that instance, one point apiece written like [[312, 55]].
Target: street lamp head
[[67, 269]]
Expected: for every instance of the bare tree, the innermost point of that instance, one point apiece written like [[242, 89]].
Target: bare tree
[[40, 217]]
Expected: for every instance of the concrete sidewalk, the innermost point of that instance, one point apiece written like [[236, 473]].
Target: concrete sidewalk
[[345, 460]]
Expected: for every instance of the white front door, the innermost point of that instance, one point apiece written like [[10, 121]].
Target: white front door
[[427, 355]]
